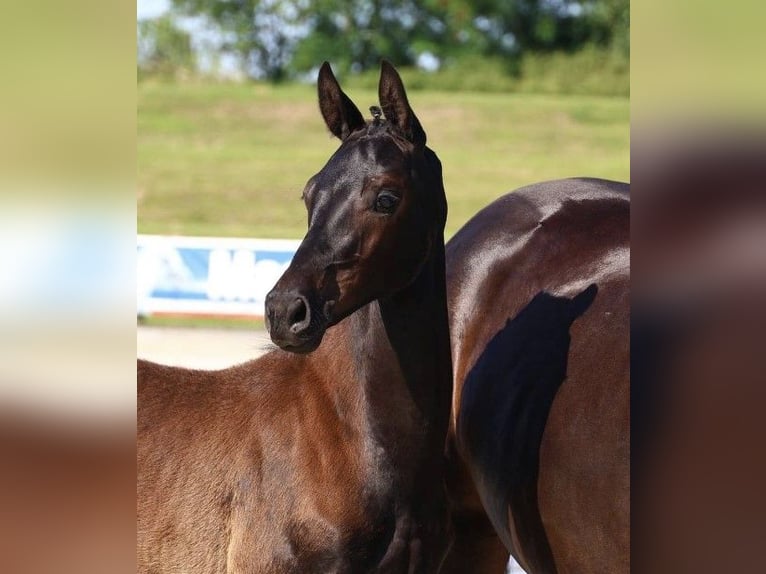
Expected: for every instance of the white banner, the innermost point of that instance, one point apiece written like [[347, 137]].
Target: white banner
[[208, 276]]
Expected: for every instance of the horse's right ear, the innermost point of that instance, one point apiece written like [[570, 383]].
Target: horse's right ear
[[339, 112]]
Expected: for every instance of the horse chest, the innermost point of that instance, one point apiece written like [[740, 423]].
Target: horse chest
[[339, 518], [306, 542]]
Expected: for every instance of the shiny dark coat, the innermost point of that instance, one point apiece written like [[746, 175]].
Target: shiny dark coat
[[538, 288]]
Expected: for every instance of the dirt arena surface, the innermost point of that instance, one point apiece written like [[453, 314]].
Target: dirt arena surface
[[200, 348]]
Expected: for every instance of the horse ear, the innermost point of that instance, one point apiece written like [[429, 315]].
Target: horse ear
[[393, 100], [339, 112]]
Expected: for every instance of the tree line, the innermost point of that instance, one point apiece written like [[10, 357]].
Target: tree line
[[281, 39]]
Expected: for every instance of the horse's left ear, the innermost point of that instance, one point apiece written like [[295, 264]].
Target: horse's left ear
[[393, 100]]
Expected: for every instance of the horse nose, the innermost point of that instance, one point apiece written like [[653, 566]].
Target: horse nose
[[288, 314]]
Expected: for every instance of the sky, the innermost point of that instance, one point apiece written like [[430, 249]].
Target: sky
[[151, 8]]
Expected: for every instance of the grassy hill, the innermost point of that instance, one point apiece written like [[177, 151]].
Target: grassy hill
[[231, 159]]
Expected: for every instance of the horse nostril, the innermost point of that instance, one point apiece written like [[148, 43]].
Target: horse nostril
[[298, 315]]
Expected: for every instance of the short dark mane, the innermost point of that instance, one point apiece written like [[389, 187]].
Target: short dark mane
[[381, 128]]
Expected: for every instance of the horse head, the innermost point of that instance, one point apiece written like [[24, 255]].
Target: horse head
[[375, 212]]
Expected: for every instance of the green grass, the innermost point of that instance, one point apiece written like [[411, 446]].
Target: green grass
[[231, 159], [249, 324]]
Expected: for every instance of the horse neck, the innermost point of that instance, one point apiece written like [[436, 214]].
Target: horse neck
[[401, 353]]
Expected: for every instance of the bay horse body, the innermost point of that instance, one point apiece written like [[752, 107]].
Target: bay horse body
[[538, 289], [320, 458]]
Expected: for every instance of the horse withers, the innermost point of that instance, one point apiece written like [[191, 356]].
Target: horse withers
[[538, 288], [325, 455]]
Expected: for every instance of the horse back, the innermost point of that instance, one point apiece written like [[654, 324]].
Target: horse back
[[242, 458], [538, 288], [186, 454]]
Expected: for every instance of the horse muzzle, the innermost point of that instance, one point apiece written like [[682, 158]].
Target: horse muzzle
[[293, 323]]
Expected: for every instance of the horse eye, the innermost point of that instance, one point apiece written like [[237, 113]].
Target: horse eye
[[385, 202]]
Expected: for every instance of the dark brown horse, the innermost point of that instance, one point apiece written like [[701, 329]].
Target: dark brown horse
[[538, 288], [327, 458]]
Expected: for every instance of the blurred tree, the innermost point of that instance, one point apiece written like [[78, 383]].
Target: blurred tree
[[163, 48], [261, 33], [611, 18], [277, 38], [517, 26], [356, 34]]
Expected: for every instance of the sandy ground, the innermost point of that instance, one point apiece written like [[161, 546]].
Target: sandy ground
[[200, 348]]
